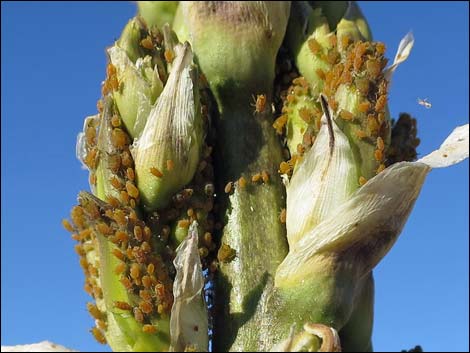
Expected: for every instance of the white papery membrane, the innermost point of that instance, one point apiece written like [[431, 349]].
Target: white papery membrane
[[189, 320], [378, 209]]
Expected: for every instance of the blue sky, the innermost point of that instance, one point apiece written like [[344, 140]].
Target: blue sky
[[53, 60]]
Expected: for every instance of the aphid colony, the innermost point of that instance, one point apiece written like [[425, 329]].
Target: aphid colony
[[142, 245], [354, 66]]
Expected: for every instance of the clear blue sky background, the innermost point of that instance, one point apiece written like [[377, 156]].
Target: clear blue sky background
[[53, 60]]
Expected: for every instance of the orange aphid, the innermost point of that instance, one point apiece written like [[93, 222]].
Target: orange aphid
[[169, 55], [314, 46], [130, 174], [378, 155], [147, 43], [364, 107], [380, 104], [119, 138], [66, 224], [380, 168], [146, 307], [344, 114], [183, 223], [362, 180], [255, 178], [135, 271], [122, 305], [132, 190], [361, 134], [119, 254], [242, 182], [260, 103], [115, 182], [98, 334], [138, 315], [120, 268], [150, 329], [156, 172], [380, 143]]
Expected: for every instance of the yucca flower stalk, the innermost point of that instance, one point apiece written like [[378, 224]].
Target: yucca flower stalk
[[141, 299], [313, 180]]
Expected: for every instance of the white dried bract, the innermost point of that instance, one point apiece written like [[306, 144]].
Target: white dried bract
[[44, 346], [189, 320], [375, 214]]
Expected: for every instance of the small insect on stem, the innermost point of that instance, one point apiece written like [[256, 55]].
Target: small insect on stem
[[259, 103]]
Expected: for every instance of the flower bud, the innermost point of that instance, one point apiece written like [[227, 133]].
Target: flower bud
[[139, 87], [167, 153], [157, 13]]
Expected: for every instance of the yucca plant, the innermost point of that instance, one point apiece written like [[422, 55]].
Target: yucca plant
[[248, 147]]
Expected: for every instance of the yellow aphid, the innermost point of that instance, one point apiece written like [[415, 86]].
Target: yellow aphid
[[184, 223], [92, 179], [378, 155], [260, 103], [103, 228], [146, 307], [380, 144], [147, 233], [132, 190], [150, 269], [283, 215], [119, 138], [362, 180], [364, 107], [170, 165], [147, 282], [169, 56], [190, 212], [228, 187], [126, 159], [344, 114], [305, 114], [156, 172], [147, 43], [124, 197], [255, 178], [98, 334], [126, 283], [120, 268], [135, 271], [66, 224], [79, 250], [115, 183], [241, 182], [150, 329], [138, 315], [120, 217], [345, 41], [122, 236], [320, 73], [380, 104], [94, 311], [284, 168], [119, 254], [145, 247], [101, 324], [130, 174], [373, 68], [115, 121], [380, 168], [314, 46], [279, 123], [138, 233], [145, 294], [114, 202], [372, 125], [380, 48], [361, 134]]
